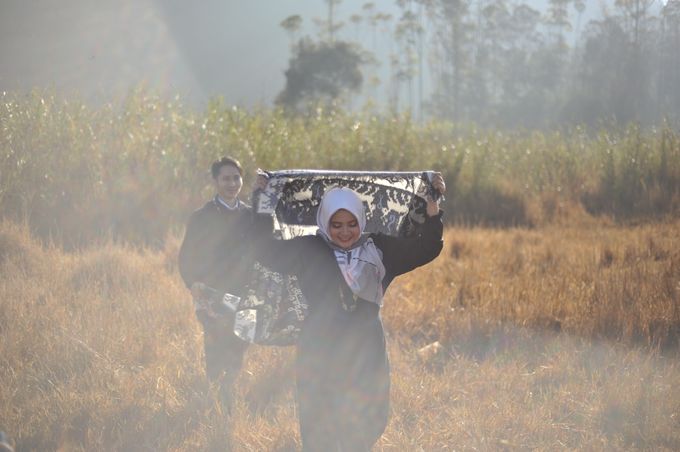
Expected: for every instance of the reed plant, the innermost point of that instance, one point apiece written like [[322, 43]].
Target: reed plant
[[135, 169]]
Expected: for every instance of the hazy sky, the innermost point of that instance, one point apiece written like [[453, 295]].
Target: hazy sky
[[99, 49]]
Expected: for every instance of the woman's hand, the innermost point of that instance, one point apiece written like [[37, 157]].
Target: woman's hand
[[440, 186], [261, 181]]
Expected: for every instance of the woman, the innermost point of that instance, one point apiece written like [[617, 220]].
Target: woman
[[342, 369]]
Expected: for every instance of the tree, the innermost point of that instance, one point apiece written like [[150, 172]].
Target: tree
[[530, 71], [292, 25], [601, 90], [329, 26], [407, 34], [374, 19], [640, 53], [635, 15], [321, 72], [452, 34], [668, 93], [558, 18], [580, 7], [410, 36], [356, 20]]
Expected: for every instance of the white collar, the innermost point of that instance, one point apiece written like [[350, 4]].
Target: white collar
[[224, 203]]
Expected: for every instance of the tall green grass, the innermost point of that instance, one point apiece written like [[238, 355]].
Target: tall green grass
[[136, 168]]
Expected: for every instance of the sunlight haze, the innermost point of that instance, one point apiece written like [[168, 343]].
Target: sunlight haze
[[100, 50]]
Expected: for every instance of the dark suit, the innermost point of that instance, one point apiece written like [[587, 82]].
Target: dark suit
[[215, 251]]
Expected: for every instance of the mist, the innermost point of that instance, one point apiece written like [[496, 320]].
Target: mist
[[534, 63]]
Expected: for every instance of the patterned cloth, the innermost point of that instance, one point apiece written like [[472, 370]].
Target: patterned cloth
[[274, 308], [394, 201]]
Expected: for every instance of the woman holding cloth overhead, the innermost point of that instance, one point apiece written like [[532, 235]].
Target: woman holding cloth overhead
[[343, 380]]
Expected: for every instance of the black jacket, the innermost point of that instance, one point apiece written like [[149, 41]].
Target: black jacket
[[314, 263], [215, 249]]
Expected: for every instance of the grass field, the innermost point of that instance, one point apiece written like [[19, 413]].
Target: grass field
[[564, 337], [551, 320]]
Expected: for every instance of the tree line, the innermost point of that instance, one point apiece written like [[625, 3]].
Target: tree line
[[500, 63]]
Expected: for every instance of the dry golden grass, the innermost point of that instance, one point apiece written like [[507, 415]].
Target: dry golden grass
[[560, 338], [593, 280]]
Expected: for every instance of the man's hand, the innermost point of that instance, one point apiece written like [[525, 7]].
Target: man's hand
[[197, 290]]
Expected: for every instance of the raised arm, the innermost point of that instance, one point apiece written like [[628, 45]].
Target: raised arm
[[283, 256], [401, 255]]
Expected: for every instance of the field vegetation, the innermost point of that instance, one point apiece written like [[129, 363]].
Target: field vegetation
[[551, 320], [558, 338], [136, 169]]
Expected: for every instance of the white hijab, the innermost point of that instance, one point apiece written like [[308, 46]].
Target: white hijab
[[361, 266]]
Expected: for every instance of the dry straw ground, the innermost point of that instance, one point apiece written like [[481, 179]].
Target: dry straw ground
[[559, 338]]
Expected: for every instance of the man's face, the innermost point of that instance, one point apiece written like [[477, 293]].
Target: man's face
[[228, 183]]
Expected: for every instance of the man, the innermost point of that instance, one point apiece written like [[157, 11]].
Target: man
[[214, 252]]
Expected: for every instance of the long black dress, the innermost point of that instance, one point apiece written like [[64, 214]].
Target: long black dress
[[343, 379]]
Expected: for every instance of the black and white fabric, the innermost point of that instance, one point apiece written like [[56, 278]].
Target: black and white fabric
[[395, 204]]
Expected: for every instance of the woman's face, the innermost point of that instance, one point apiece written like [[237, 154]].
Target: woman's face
[[344, 229]]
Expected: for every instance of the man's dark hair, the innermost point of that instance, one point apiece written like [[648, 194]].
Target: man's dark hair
[[218, 164]]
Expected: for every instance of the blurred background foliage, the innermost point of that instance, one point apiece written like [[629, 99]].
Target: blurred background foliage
[[135, 170]]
